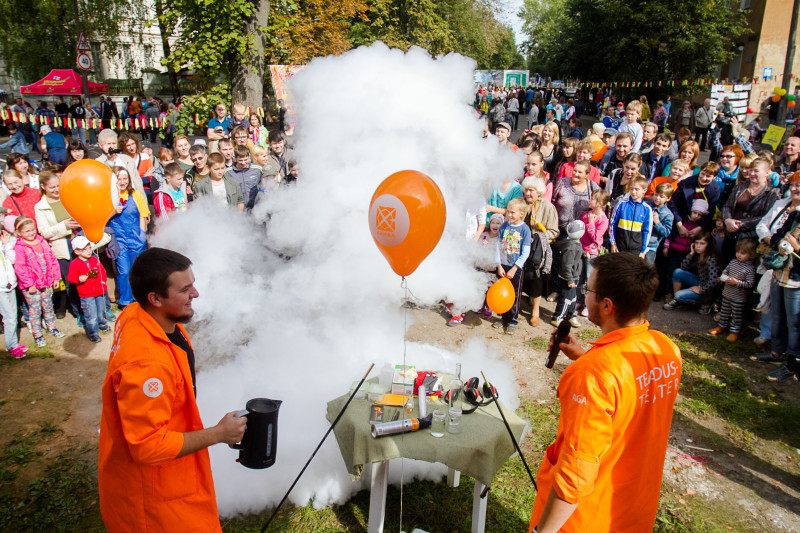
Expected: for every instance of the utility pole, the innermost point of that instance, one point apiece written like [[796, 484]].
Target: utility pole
[[83, 74], [788, 82]]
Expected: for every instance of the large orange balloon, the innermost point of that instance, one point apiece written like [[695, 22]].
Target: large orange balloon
[[500, 296], [406, 219], [86, 193]]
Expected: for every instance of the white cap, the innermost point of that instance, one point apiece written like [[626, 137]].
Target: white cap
[[80, 242]]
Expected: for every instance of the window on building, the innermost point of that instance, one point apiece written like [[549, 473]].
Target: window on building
[[744, 4]]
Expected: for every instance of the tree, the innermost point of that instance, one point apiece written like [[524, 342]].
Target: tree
[[40, 35], [222, 39], [630, 39]]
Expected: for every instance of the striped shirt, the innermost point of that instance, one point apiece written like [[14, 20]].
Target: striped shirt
[[745, 274]]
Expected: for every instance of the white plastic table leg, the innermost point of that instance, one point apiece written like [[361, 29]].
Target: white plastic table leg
[[453, 477], [478, 508], [377, 497]]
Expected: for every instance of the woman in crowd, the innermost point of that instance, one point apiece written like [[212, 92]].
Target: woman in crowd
[[728, 173], [746, 206], [258, 133], [129, 225], [617, 183], [543, 221], [785, 293], [143, 161], [696, 279], [512, 108], [584, 151], [75, 152], [684, 117], [22, 164], [551, 151], [700, 186], [182, 156], [569, 152], [689, 152]]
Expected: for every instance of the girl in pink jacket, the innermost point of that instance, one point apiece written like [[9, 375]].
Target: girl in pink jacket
[[38, 274]]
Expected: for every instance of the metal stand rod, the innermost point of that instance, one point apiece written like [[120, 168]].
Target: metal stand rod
[[333, 425], [510, 433]]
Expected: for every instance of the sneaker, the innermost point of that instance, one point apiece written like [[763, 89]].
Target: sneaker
[[57, 333], [110, 316], [498, 324], [574, 322], [768, 357], [552, 297], [81, 322], [22, 347], [104, 328], [705, 309], [510, 329], [732, 337], [781, 374], [17, 351], [760, 341], [554, 322], [95, 339], [487, 314], [456, 320], [40, 342], [719, 330], [672, 304], [585, 311]]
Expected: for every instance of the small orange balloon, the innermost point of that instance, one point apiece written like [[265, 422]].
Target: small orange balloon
[[500, 296], [406, 219], [776, 98], [86, 193], [790, 104]]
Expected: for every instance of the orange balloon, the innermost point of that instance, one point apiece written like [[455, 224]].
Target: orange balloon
[[86, 193], [406, 219], [500, 296], [776, 98], [790, 104]]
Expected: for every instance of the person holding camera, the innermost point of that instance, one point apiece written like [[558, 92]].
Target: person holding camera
[[154, 472], [112, 156]]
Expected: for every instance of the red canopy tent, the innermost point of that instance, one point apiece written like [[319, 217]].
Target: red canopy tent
[[60, 82]]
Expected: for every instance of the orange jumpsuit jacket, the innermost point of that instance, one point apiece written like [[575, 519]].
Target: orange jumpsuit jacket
[[616, 411], [148, 403]]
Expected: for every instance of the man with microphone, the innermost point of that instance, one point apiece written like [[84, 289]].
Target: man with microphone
[[603, 472], [154, 473]]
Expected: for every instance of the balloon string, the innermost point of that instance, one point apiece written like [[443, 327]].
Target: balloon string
[[404, 285]]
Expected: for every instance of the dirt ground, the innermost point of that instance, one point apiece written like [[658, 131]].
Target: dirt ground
[[758, 488]]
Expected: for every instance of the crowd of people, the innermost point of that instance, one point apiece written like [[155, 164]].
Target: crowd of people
[[723, 234], [50, 267]]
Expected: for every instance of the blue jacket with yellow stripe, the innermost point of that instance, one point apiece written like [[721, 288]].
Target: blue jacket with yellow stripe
[[630, 226]]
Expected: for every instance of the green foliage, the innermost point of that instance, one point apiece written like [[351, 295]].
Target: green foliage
[[41, 35], [630, 39], [211, 35], [202, 104]]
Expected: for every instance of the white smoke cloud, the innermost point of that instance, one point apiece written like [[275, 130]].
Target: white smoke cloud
[[302, 329]]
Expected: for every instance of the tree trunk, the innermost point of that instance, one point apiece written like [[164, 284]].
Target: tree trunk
[[247, 75], [173, 76]]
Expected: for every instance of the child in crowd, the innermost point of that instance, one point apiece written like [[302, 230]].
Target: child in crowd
[[738, 277], [226, 149], [86, 272], [513, 247], [165, 157], [8, 295], [678, 246], [38, 274], [698, 272], [631, 124], [293, 171], [492, 231], [569, 271], [534, 166], [631, 222], [679, 170], [662, 220], [595, 222], [172, 195]]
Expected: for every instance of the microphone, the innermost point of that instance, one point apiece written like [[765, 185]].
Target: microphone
[[562, 332]]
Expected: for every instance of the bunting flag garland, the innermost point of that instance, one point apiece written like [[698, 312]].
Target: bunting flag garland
[[699, 82]]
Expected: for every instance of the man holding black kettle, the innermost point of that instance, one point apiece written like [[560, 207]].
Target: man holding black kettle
[[154, 472]]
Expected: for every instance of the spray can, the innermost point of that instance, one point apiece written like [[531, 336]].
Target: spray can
[[399, 426], [423, 397]]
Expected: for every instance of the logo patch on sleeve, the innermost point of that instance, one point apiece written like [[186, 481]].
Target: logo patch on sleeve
[[153, 388]]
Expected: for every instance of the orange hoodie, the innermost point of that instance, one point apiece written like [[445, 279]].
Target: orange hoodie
[[148, 403], [616, 411]]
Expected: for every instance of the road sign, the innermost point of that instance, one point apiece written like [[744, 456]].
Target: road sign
[[84, 61], [83, 44]]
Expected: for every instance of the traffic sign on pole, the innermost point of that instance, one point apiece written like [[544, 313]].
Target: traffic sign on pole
[[83, 44], [84, 61]]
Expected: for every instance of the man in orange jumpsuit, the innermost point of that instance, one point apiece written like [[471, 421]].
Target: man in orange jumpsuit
[[603, 472], [154, 472]]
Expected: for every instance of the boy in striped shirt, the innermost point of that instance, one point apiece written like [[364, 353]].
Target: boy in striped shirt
[[738, 277]]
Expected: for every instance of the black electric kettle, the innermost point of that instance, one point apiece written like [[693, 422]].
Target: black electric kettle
[[258, 448]]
